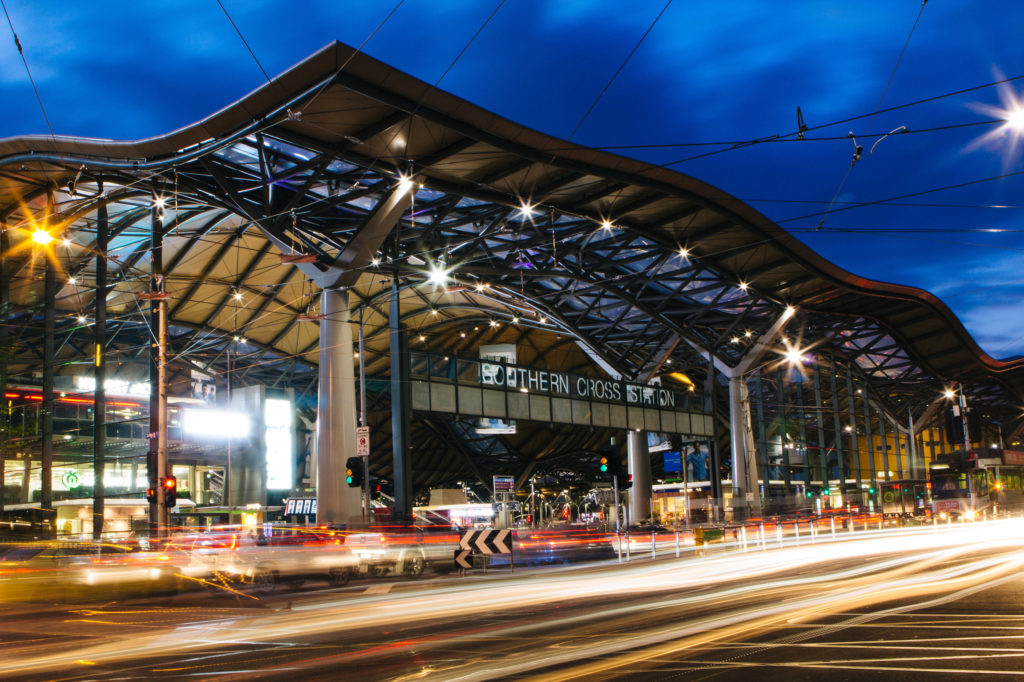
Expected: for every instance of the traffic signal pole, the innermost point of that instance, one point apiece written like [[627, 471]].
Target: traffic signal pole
[[615, 499], [367, 519]]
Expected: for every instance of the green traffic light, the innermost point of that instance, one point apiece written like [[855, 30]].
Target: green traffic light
[[604, 468]]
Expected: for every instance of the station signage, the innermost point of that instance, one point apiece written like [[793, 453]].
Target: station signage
[[573, 386]]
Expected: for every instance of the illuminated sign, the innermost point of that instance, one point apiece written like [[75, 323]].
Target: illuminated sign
[[215, 424], [277, 419], [87, 384], [608, 390], [301, 505]]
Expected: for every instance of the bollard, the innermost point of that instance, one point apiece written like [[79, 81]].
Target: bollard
[[778, 532], [833, 520], [677, 543], [760, 534], [814, 531], [796, 532], [618, 545], [627, 545], [654, 547], [743, 538], [880, 522]]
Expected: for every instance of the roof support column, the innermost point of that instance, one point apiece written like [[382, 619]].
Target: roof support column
[[744, 470], [639, 462], [400, 413], [746, 498], [336, 412]]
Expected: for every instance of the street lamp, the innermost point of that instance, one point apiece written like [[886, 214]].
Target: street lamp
[[958, 392]]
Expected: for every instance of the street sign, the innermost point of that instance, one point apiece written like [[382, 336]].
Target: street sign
[[362, 441], [301, 505], [462, 559], [504, 484], [487, 541]]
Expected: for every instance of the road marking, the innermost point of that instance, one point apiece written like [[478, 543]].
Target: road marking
[[378, 589]]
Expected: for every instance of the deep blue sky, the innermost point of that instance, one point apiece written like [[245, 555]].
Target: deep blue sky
[[731, 70]]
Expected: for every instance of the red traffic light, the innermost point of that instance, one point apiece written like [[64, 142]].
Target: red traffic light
[[170, 483]]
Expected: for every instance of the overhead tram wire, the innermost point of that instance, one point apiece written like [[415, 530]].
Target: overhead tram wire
[[244, 41], [24, 61], [419, 102], [904, 196], [619, 70], [858, 149]]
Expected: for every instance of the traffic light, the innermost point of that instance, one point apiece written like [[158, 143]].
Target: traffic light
[[151, 495], [354, 472], [170, 486], [626, 479], [604, 465]]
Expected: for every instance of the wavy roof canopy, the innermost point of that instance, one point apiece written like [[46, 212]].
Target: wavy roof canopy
[[553, 245]]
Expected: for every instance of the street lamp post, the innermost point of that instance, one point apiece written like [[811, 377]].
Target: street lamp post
[[961, 406]]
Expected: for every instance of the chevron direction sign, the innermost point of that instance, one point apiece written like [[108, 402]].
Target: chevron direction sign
[[488, 541], [463, 558]]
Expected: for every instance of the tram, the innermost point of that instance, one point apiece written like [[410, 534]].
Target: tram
[[970, 483], [906, 497]]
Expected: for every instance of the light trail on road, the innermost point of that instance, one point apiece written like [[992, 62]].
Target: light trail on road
[[565, 623]]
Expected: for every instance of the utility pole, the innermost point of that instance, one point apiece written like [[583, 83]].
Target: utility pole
[[163, 513], [226, 496], [99, 414], [157, 297], [962, 399]]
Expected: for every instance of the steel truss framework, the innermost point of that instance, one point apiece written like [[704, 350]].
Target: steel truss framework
[[589, 262]]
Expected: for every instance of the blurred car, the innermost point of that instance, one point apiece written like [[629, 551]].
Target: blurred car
[[76, 570], [407, 550], [289, 555], [558, 547]]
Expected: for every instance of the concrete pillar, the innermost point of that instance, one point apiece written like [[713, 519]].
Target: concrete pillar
[[639, 463], [336, 413], [744, 466]]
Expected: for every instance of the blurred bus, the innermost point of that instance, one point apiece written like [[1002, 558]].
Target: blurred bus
[[906, 497], [968, 483]]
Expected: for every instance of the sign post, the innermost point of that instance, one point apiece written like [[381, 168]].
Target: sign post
[[504, 492], [363, 450]]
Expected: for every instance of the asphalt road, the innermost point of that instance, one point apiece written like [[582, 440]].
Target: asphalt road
[[914, 604]]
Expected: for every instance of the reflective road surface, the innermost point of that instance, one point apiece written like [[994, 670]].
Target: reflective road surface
[[914, 603]]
